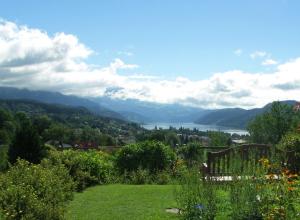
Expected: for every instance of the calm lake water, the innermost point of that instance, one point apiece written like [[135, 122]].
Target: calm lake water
[[200, 127]]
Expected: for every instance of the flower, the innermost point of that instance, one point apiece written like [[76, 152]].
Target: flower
[[199, 206], [291, 188], [258, 198]]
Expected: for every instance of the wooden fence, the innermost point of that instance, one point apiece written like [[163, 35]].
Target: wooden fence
[[245, 158], [239, 158]]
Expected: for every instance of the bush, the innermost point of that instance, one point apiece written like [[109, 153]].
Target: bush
[[192, 153], [151, 155], [277, 198], [86, 168], [141, 176], [254, 193], [163, 178], [290, 146], [30, 191], [196, 199]]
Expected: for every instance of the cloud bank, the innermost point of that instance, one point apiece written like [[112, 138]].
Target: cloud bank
[[31, 58]]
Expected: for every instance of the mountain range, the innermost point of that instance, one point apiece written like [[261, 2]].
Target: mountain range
[[57, 98], [149, 112], [142, 112], [234, 117]]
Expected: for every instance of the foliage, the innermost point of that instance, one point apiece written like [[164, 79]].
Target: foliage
[[196, 198], [277, 198], [290, 146], [7, 126], [85, 167], [143, 176], [41, 123], [264, 194], [265, 191], [218, 138], [26, 143], [243, 198], [140, 176], [30, 191], [57, 132], [192, 153], [168, 137], [151, 155], [71, 117], [3, 158], [270, 126]]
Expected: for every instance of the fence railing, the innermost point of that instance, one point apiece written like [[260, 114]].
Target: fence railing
[[239, 158]]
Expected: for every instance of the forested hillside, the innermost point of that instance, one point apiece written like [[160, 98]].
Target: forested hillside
[[71, 124], [57, 98], [234, 117]]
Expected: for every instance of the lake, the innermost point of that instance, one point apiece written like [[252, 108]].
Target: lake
[[200, 127]]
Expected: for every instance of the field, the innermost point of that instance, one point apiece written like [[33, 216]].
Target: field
[[118, 202]]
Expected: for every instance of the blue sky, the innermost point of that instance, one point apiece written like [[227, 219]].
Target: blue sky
[[209, 53], [171, 37]]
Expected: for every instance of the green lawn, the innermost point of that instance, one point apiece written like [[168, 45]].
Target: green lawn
[[119, 202]]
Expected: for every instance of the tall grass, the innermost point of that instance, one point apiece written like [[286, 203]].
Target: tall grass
[[257, 190], [196, 198]]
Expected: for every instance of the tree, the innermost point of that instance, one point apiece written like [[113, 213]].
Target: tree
[[192, 153], [7, 126], [41, 123], [272, 125], [171, 139], [218, 138], [26, 143], [57, 132]]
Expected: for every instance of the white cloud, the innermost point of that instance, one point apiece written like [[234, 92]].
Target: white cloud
[[33, 59], [269, 62], [238, 52], [258, 54]]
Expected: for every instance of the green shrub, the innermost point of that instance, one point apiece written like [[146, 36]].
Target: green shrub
[[141, 176], [85, 167], [3, 158], [35, 191], [151, 155], [163, 178], [244, 200], [290, 146], [196, 198], [192, 153]]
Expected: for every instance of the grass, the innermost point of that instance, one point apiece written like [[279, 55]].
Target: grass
[[118, 202]]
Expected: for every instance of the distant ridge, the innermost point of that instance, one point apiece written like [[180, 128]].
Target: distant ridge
[[149, 112], [9, 93], [234, 117], [76, 117], [140, 111]]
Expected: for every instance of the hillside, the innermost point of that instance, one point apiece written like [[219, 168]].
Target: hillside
[[147, 112], [234, 117], [75, 117], [57, 98]]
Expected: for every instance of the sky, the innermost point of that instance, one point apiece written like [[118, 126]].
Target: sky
[[209, 53]]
